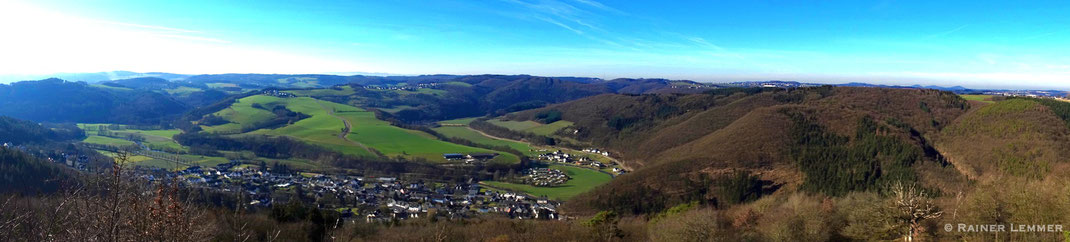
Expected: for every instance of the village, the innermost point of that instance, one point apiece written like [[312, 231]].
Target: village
[[544, 177], [469, 158], [581, 161], [378, 199]]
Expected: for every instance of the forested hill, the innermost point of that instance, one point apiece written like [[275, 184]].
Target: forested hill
[[1017, 137], [19, 132], [55, 100], [728, 146], [499, 94]]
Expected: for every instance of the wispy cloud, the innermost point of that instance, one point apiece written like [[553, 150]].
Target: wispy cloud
[[601, 6], [192, 38], [945, 33], [565, 15], [161, 31], [1039, 36], [142, 26]]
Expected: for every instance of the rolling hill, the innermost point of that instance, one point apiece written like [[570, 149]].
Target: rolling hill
[[1018, 137], [55, 100], [325, 124], [824, 139]]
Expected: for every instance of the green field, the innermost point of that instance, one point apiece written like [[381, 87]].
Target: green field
[[323, 129], [981, 98], [319, 129], [551, 128], [155, 139], [111, 87], [460, 121], [323, 92], [463, 84], [515, 125], [392, 140], [582, 180], [462, 132], [221, 85], [182, 90], [103, 140], [397, 108], [243, 114], [532, 126]]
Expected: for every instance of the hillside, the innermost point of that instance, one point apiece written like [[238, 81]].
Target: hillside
[[1019, 137], [55, 100], [432, 98], [19, 132], [342, 128], [825, 139]]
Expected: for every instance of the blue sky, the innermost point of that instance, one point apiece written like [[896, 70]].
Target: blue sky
[[972, 43]]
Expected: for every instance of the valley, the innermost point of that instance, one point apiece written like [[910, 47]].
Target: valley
[[477, 147]]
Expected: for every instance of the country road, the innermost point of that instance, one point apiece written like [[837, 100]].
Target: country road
[[621, 164], [345, 130]]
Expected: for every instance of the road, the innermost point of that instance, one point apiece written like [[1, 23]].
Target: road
[[621, 164], [345, 130]]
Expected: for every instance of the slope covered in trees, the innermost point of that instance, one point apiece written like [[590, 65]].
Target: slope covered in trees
[[825, 140], [55, 100], [1020, 137], [26, 132], [466, 96]]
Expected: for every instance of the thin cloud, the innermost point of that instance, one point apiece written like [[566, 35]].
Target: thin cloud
[[194, 38], [562, 25], [702, 42], [601, 6], [945, 33], [561, 14], [142, 26], [161, 31], [1040, 35]]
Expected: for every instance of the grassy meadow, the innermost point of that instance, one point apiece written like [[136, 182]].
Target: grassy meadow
[[979, 98], [323, 129], [532, 126], [582, 181], [463, 132]]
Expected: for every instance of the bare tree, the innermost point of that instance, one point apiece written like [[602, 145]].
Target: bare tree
[[914, 207]]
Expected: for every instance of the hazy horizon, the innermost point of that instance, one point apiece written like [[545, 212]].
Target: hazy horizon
[[953, 43], [7, 79]]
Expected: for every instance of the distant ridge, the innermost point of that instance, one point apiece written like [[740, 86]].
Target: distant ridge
[[955, 89], [93, 77]]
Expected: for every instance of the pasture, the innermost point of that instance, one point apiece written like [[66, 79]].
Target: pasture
[[325, 124], [979, 98], [468, 134], [532, 126], [582, 180]]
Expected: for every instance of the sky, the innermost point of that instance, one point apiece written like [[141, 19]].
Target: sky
[[978, 44]]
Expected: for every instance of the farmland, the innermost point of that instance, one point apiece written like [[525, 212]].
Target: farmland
[[979, 98], [462, 132], [581, 181], [155, 139], [104, 140], [392, 140], [324, 126], [532, 126]]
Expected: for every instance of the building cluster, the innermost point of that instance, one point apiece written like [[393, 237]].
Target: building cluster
[[365, 198], [544, 177], [277, 93], [470, 158], [596, 151], [562, 157], [1029, 93], [396, 88], [692, 86], [73, 160]]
